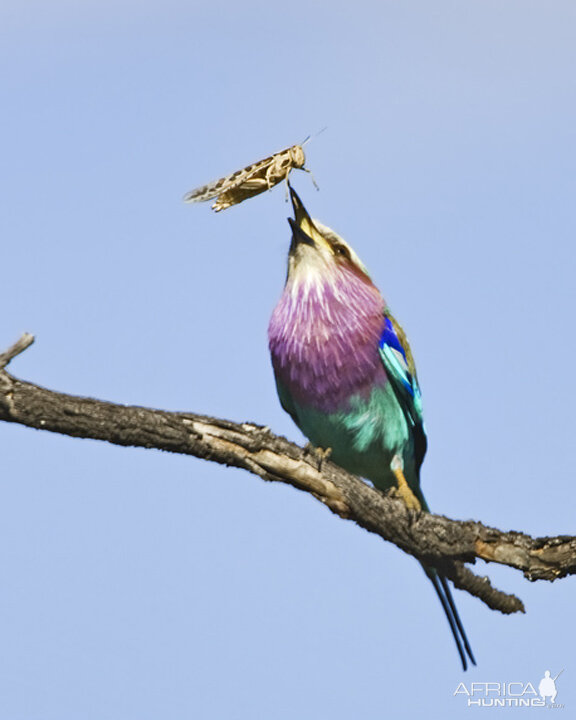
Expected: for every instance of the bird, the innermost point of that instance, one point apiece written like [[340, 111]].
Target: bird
[[345, 373]]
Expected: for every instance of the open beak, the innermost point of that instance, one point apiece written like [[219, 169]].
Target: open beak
[[303, 229]]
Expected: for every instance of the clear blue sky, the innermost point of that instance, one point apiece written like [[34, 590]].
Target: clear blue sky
[[137, 585]]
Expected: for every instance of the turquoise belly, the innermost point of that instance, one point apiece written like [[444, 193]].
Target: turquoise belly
[[364, 437]]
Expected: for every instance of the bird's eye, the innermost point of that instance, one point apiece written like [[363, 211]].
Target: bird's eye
[[341, 251]]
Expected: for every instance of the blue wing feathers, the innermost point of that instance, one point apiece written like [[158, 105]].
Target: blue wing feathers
[[399, 365], [395, 357]]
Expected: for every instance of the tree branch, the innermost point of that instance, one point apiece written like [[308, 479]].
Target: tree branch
[[432, 539]]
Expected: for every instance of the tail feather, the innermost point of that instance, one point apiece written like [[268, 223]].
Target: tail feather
[[446, 588], [445, 596]]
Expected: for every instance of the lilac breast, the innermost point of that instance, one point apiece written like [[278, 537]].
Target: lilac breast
[[324, 339]]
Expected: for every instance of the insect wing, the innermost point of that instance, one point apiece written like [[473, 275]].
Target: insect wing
[[227, 183], [205, 192]]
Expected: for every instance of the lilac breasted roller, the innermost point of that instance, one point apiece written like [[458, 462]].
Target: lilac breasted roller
[[345, 373]]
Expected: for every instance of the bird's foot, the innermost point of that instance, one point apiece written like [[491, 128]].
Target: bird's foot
[[403, 491], [321, 454]]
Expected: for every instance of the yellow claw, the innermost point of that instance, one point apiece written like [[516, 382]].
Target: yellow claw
[[322, 454], [403, 490]]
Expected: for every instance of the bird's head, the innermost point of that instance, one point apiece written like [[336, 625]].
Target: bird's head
[[317, 254]]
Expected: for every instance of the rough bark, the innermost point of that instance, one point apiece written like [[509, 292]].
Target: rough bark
[[432, 539]]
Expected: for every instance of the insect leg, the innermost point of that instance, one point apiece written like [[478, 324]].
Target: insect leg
[[311, 177], [272, 174]]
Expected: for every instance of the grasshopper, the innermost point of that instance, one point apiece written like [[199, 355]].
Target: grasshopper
[[251, 180]]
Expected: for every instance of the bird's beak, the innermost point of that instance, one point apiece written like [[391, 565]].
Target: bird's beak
[[303, 229]]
